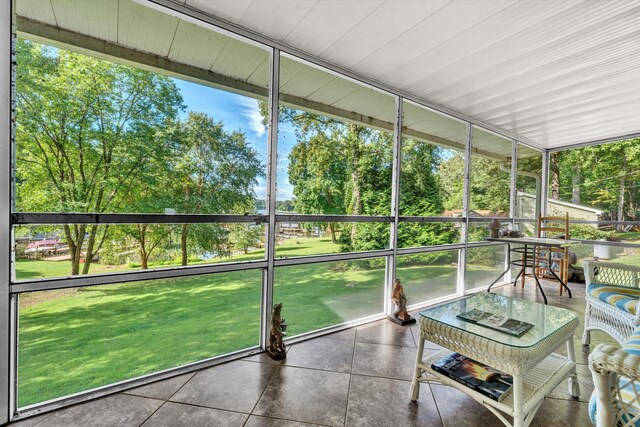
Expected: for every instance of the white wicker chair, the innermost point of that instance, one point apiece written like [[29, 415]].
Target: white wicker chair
[[606, 316], [616, 377]]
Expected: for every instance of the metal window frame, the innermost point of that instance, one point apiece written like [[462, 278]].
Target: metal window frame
[[513, 195], [268, 265], [7, 349], [272, 161], [544, 190], [390, 266]]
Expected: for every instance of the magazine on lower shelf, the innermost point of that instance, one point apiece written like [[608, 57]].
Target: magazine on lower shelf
[[475, 375], [495, 321]]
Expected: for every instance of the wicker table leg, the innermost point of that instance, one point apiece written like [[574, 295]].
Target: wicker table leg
[[518, 401], [574, 385], [417, 372]]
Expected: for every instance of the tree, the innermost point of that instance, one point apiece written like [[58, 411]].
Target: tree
[[318, 177], [421, 194], [86, 129], [215, 173], [603, 176], [244, 236], [341, 168]]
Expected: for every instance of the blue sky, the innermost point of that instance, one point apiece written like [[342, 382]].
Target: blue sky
[[241, 113]]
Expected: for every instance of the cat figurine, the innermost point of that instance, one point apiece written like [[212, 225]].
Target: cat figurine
[[277, 349]]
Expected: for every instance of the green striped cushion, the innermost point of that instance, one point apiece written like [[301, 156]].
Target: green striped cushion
[[623, 297], [632, 345]]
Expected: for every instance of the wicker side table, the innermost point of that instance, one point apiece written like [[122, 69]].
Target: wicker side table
[[536, 370]]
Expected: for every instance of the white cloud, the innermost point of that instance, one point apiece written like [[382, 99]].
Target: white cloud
[[251, 113]]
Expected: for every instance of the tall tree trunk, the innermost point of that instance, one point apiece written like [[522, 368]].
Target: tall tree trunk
[[144, 256], [621, 196], [576, 181], [75, 246], [72, 249], [555, 177], [356, 200], [183, 243], [88, 258], [332, 229], [633, 200]]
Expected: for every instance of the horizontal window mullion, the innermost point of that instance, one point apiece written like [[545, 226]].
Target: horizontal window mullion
[[430, 219], [314, 259], [130, 276], [26, 218], [490, 218], [596, 222], [332, 218], [425, 249]]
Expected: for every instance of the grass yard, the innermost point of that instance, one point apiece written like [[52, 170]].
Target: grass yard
[[74, 340], [34, 269]]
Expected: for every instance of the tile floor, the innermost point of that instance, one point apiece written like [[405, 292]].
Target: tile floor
[[357, 377]]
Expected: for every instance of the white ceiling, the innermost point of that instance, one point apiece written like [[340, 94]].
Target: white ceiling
[[552, 72]]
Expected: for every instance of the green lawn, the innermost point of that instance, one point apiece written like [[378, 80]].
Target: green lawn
[[74, 340]]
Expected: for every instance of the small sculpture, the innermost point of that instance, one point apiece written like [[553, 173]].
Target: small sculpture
[[400, 315], [277, 349], [494, 229]]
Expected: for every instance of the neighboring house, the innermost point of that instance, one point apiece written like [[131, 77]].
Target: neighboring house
[[526, 208]]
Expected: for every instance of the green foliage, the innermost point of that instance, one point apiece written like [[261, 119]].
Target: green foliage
[[421, 193], [595, 175], [429, 258], [588, 232], [244, 236]]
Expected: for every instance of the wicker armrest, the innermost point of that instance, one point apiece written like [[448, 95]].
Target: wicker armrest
[[607, 358], [612, 273]]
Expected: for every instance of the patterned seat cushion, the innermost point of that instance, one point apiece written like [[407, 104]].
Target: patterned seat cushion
[[623, 297], [632, 345]]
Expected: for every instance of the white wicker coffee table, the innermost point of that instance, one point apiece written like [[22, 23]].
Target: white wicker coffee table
[[530, 359]]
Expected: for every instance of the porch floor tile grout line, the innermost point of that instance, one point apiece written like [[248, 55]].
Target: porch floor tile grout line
[[353, 358], [185, 383], [152, 414], [275, 373], [435, 403]]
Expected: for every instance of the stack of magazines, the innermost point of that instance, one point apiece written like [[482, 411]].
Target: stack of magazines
[[495, 321], [475, 375]]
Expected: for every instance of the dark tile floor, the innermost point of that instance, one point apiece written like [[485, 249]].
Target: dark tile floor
[[357, 377]]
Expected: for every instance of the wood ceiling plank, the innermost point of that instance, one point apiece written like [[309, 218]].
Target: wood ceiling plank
[[260, 15], [396, 17], [145, 29], [201, 54], [229, 10], [37, 10], [327, 22]]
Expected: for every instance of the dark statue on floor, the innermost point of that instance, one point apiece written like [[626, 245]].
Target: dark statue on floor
[[400, 315], [277, 349]]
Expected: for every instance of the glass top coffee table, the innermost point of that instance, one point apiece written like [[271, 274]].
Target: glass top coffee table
[[530, 359]]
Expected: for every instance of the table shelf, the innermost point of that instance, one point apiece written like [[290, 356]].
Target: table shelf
[[538, 382]]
